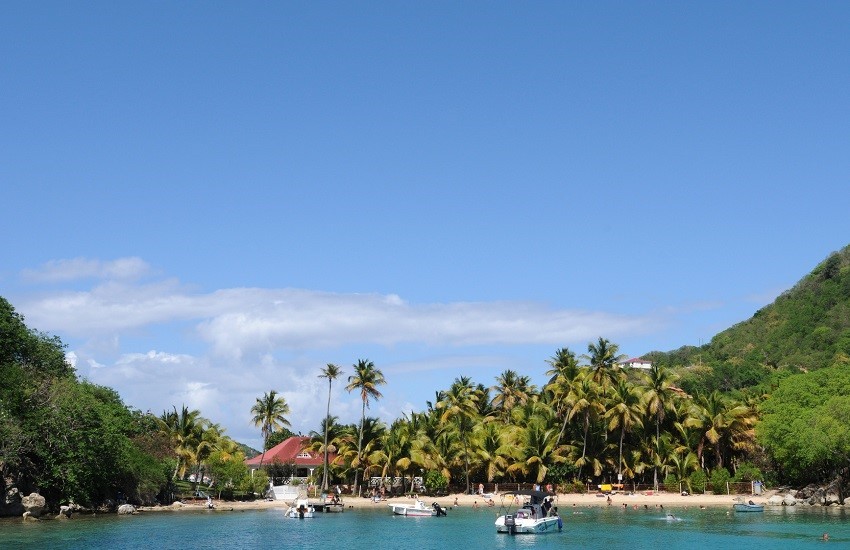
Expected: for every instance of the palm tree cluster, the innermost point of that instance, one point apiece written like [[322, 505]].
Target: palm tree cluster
[[197, 443], [593, 420]]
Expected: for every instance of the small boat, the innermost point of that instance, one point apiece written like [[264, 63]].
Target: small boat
[[741, 506], [419, 508], [533, 517], [300, 509]]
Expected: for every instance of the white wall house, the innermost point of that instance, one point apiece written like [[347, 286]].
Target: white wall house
[[637, 363]]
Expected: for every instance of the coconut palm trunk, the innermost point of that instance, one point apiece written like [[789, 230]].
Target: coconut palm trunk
[[330, 372], [366, 378], [359, 451]]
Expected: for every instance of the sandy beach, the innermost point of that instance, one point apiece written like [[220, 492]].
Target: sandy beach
[[563, 501]]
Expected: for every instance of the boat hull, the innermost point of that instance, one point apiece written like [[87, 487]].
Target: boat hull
[[295, 514], [412, 510], [518, 526], [748, 507], [301, 510]]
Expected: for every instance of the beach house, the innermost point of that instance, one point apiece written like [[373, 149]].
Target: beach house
[[637, 363], [293, 452]]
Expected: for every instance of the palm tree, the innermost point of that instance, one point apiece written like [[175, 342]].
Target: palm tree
[[565, 372], [658, 398], [511, 390], [331, 372], [394, 454], [270, 413], [625, 412], [539, 449], [460, 405], [564, 365], [584, 402], [210, 440], [604, 362], [185, 430], [723, 423], [682, 463], [366, 379], [493, 448]]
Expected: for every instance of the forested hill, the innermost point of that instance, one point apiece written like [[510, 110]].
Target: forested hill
[[806, 328]]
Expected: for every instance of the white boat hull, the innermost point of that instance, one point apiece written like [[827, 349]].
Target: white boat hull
[[416, 510], [301, 510], [528, 526]]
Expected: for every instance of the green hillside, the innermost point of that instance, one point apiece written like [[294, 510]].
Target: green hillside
[[804, 329]]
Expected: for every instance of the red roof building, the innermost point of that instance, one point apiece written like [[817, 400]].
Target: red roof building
[[291, 451]]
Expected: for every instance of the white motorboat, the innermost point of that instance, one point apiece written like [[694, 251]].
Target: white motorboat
[[534, 516], [741, 506], [418, 508], [300, 509]]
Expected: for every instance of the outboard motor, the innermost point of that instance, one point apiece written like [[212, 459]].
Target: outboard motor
[[510, 523], [439, 509]]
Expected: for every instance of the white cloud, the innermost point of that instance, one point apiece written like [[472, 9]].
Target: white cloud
[[247, 341], [234, 321], [83, 268]]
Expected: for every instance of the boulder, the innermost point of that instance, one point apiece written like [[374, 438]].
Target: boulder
[[817, 498], [789, 500], [64, 512], [79, 509], [34, 503], [29, 517], [831, 498], [126, 509], [775, 500], [805, 493]]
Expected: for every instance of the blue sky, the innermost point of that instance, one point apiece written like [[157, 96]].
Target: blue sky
[[207, 201]]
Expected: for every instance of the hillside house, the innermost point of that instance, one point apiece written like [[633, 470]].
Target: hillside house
[[637, 363]]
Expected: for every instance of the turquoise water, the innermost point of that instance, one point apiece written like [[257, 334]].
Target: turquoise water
[[361, 529]]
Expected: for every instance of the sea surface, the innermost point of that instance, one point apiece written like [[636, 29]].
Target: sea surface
[[787, 528]]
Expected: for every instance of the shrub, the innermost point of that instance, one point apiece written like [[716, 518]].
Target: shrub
[[255, 486], [698, 481], [435, 481], [671, 484], [574, 486], [719, 478], [748, 472]]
